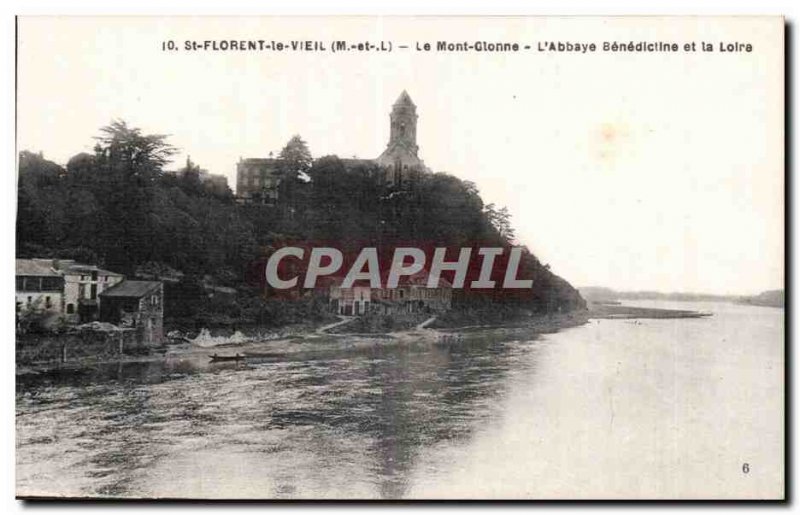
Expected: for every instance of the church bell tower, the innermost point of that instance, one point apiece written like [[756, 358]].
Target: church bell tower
[[400, 159], [403, 118]]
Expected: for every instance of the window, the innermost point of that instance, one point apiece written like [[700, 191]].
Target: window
[[52, 283], [70, 308], [47, 302]]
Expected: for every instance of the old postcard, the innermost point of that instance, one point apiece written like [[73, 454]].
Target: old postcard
[[400, 258]]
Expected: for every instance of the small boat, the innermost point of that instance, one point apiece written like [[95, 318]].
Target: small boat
[[216, 357]]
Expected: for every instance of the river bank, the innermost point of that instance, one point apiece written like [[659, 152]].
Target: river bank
[[309, 340], [314, 341]]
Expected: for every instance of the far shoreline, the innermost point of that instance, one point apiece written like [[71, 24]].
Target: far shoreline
[[617, 310]]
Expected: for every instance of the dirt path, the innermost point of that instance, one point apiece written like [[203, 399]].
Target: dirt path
[[342, 320], [424, 324]]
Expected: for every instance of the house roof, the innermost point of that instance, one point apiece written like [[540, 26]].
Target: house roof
[[40, 267], [419, 279], [57, 267], [131, 289], [260, 161], [69, 266]]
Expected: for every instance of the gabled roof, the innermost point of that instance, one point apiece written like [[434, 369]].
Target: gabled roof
[[69, 266], [131, 289], [57, 267], [38, 267]]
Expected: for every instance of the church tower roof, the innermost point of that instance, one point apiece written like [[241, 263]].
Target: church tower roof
[[404, 99]]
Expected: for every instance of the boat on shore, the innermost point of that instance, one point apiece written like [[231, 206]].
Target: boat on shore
[[218, 358]]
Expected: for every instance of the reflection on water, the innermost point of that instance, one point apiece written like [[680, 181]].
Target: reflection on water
[[656, 408], [350, 425]]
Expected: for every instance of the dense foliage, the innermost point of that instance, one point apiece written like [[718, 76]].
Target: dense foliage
[[119, 208]]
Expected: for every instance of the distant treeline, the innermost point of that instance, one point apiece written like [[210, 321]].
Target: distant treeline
[[118, 208], [773, 298]]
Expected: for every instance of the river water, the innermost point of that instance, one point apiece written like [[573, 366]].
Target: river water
[[614, 408]]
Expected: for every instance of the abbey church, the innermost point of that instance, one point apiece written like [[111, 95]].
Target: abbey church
[[257, 178]]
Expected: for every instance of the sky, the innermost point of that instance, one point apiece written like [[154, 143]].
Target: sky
[[635, 171]]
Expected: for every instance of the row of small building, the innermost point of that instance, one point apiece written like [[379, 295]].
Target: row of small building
[[63, 291], [412, 295]]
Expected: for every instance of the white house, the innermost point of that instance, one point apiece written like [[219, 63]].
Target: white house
[[82, 286], [350, 301], [412, 295], [39, 288], [61, 287]]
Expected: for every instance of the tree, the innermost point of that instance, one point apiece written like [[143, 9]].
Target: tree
[[127, 166], [189, 179], [127, 151], [295, 158], [41, 205], [501, 221], [293, 163]]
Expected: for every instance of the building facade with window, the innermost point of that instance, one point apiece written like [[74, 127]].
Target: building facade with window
[[82, 286], [411, 296], [257, 180], [39, 288], [137, 305], [353, 301], [62, 288]]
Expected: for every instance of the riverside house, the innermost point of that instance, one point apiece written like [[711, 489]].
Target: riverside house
[[39, 288], [61, 289], [137, 305], [412, 295], [82, 286]]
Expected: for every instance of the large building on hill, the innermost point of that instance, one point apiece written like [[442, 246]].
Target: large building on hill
[[257, 179]]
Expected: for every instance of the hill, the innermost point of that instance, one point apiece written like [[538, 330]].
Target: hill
[[769, 298], [118, 208]]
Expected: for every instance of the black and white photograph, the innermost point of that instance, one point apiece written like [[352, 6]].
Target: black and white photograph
[[400, 258]]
